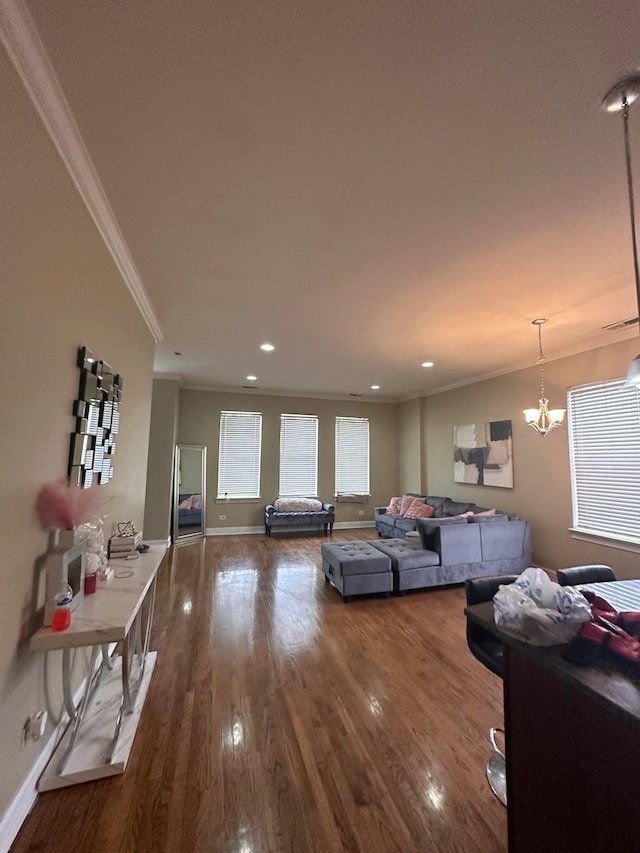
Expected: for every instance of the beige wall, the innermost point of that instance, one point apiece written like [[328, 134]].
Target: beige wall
[[162, 441], [199, 424], [542, 486], [59, 290]]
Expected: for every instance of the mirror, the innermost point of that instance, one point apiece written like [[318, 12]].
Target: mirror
[[189, 492]]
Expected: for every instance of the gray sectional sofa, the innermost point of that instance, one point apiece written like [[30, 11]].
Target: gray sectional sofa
[[444, 551], [396, 526]]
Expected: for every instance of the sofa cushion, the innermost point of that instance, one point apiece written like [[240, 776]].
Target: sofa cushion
[[402, 526], [297, 505], [438, 505], [457, 507]]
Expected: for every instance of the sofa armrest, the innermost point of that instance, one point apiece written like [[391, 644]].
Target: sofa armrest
[[328, 508], [379, 510], [269, 509]]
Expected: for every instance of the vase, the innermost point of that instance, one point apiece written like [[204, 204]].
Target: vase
[[61, 540]]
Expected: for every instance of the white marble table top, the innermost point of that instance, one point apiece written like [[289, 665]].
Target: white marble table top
[[107, 615]]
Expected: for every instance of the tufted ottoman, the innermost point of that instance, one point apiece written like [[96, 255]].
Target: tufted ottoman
[[356, 568], [412, 565]]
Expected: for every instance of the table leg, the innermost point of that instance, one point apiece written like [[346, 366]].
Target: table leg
[[91, 685]]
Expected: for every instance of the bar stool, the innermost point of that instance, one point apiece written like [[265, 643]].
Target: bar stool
[[488, 649], [585, 574]]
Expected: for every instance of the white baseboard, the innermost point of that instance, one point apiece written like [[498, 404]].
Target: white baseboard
[[27, 794], [233, 531], [244, 531]]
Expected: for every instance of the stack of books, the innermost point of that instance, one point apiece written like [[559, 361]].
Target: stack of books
[[123, 546]]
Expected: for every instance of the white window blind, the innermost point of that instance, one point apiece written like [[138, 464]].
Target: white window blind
[[352, 456], [239, 455], [298, 455], [604, 443]]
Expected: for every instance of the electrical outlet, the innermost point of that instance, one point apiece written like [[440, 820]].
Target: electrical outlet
[[34, 727], [360, 512], [222, 517]]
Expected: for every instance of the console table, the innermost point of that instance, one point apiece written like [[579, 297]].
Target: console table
[[115, 623], [572, 738]]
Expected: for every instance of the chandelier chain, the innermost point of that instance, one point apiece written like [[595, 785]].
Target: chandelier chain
[[632, 207], [541, 361]]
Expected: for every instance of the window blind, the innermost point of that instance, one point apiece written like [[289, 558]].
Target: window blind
[[298, 455], [352, 455], [604, 445], [239, 455]]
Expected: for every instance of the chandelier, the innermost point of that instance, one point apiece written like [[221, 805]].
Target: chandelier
[[618, 99], [543, 419]]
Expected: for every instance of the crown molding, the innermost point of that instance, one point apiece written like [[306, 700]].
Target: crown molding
[[20, 37]]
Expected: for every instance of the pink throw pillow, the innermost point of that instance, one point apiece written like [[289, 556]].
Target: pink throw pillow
[[465, 514], [394, 506], [406, 502], [186, 503], [419, 509], [486, 512]]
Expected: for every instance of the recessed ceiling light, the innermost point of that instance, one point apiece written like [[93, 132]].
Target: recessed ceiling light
[[175, 352], [375, 387], [427, 364], [252, 378], [267, 347]]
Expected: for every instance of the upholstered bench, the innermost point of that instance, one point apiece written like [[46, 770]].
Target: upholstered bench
[[356, 568], [299, 514]]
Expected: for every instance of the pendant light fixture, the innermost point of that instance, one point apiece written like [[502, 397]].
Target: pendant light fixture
[[543, 419], [619, 99]]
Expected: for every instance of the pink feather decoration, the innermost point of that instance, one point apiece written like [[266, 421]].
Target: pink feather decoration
[[64, 506]]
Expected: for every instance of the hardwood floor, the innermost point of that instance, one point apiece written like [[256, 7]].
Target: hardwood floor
[[281, 719]]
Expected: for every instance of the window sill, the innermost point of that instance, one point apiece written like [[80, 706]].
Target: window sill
[[239, 500], [606, 541]]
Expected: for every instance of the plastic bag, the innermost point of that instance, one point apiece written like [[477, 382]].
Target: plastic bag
[[540, 611]]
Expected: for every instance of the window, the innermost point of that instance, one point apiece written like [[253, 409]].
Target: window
[[298, 455], [352, 456], [604, 444], [239, 455]]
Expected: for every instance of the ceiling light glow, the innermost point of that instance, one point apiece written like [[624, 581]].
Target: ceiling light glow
[[375, 387], [427, 364], [252, 378], [267, 347]]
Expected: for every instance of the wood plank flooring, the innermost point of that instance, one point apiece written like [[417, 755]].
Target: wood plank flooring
[[281, 719]]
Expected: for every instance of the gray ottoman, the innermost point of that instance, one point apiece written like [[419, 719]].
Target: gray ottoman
[[412, 565], [356, 568]]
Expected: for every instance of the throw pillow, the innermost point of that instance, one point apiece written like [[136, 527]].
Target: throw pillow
[[486, 512], [186, 503], [406, 502], [394, 506], [464, 514], [196, 501], [419, 509]]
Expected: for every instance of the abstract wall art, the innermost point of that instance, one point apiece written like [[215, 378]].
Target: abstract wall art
[[483, 454]]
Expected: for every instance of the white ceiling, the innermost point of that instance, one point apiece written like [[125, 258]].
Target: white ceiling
[[364, 184]]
